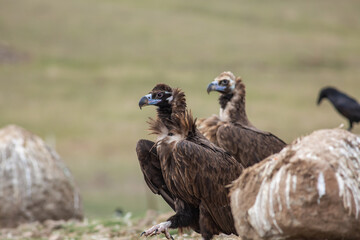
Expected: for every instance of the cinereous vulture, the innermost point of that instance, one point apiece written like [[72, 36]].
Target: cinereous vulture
[[232, 130], [186, 169]]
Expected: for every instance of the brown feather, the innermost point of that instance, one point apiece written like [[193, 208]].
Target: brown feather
[[150, 167], [179, 101], [161, 87], [195, 171], [235, 109], [234, 132], [209, 127]]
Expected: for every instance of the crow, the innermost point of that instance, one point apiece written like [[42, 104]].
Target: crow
[[344, 104]]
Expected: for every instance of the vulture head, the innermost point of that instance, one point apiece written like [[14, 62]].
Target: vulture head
[[224, 83], [325, 93], [161, 95], [171, 109], [231, 88]]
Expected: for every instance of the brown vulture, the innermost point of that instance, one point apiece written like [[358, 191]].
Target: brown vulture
[[186, 169], [232, 130], [344, 104]]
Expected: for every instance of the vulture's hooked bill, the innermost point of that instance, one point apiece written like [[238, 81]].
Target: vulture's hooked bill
[[232, 130], [186, 169], [345, 105]]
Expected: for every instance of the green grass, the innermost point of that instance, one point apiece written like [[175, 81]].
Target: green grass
[[124, 227], [88, 63]]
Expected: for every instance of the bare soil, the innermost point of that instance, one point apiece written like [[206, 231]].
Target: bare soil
[[117, 228]]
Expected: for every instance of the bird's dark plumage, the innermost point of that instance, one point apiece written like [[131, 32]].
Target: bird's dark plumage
[[150, 167], [344, 104], [194, 172], [232, 130]]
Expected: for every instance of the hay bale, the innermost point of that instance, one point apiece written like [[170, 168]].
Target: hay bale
[[310, 190], [35, 184]]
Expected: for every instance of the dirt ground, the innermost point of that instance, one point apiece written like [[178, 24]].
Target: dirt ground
[[117, 228]]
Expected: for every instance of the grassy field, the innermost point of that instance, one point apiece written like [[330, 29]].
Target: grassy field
[[73, 72], [120, 228]]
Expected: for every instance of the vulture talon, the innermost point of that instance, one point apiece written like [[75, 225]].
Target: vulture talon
[[157, 229], [167, 235]]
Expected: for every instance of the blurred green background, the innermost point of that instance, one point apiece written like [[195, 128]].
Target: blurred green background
[[73, 72]]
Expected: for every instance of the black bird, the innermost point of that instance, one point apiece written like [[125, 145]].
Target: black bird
[[344, 104]]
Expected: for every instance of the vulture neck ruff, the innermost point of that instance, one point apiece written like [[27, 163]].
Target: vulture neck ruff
[[164, 113], [232, 106], [174, 123]]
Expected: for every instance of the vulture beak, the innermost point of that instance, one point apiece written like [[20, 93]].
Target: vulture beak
[[148, 100], [214, 86], [211, 87]]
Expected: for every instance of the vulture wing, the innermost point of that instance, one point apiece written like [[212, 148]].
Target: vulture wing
[[150, 167], [248, 144], [209, 127], [203, 171]]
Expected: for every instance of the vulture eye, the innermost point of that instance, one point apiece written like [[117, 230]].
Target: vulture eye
[[159, 95], [224, 82]]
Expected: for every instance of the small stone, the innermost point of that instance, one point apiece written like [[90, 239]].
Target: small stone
[[36, 184]]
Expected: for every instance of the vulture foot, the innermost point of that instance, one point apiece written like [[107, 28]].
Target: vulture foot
[[157, 229]]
